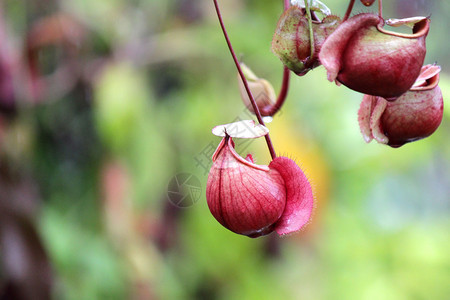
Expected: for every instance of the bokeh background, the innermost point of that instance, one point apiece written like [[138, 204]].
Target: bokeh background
[[103, 102]]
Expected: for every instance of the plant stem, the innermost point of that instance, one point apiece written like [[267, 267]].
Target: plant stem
[[244, 80], [311, 34], [271, 110], [349, 10], [380, 8]]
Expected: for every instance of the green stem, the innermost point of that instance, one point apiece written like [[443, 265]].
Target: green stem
[[311, 33]]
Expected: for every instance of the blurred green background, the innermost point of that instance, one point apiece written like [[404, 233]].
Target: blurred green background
[[112, 98]]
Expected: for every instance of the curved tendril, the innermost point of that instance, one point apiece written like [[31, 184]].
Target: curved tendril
[[273, 109]]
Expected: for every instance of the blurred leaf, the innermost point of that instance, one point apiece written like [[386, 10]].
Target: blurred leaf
[[120, 98]]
